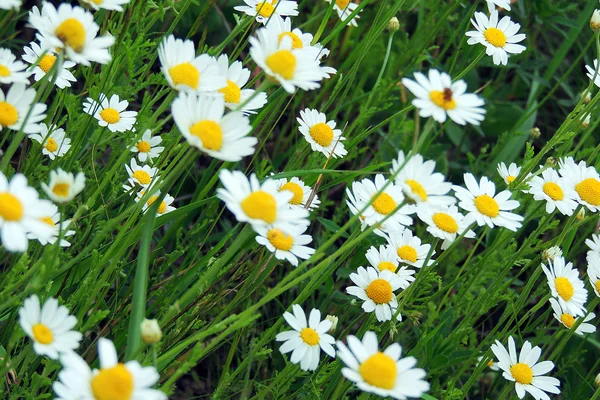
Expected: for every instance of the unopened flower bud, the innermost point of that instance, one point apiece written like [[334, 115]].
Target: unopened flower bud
[[535, 133], [334, 322], [595, 21], [586, 121], [393, 25], [551, 253], [151, 332], [580, 215], [597, 380], [551, 162], [586, 96]]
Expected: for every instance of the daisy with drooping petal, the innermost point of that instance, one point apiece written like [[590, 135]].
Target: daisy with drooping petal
[[307, 338], [321, 134], [139, 175], [593, 243], [53, 140], [553, 189], [147, 147], [287, 242], [44, 60], [15, 106], [498, 37], [565, 285], [53, 219], [344, 9], [505, 4], [302, 193], [111, 113], [584, 180], [381, 372], [383, 259], [526, 371], [164, 207], [263, 11], [593, 270], [114, 380], [486, 207], [438, 97], [202, 121], [50, 327], [565, 318], [409, 248], [63, 186], [510, 173], [444, 222], [10, 4], [233, 93], [11, 70], [73, 29], [115, 5]]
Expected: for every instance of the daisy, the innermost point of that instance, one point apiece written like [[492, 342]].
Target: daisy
[[525, 371], [202, 121], [43, 61], [261, 205], [52, 218], [409, 248], [54, 144], [486, 207], [568, 320], [376, 289], [593, 243], [73, 29], [584, 180], [114, 380], [510, 173], [233, 94], [106, 4], [63, 186], [15, 106], [381, 372], [21, 211], [490, 364], [301, 191], [11, 70], [282, 27], [321, 134], [50, 327], [139, 175], [553, 189], [307, 338], [420, 183], [263, 11], [9, 4], [185, 71], [287, 242], [163, 208], [147, 147], [344, 8], [445, 222], [438, 97], [566, 286], [593, 270], [499, 38], [505, 4], [111, 113], [551, 253], [383, 259]]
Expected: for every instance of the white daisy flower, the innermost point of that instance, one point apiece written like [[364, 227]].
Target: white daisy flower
[[50, 327], [147, 147], [10, 4], [344, 8], [444, 222], [383, 259], [115, 5], [263, 11], [114, 380], [409, 248], [287, 242], [553, 189], [526, 371], [321, 134], [593, 243], [565, 318], [584, 180], [233, 93], [44, 60], [111, 113], [498, 37], [510, 173], [73, 29], [53, 140], [261, 205], [492, 4], [11, 70], [593, 270], [185, 71], [202, 121], [164, 206], [438, 97], [52, 218], [593, 74], [551, 253], [566, 286], [139, 175], [15, 106], [381, 372], [486, 207], [307, 338], [63, 186], [21, 211], [490, 364], [282, 27], [301, 191]]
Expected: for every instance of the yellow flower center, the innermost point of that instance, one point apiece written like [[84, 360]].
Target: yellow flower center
[[490, 363], [568, 320], [387, 266], [47, 220], [210, 133], [510, 179], [98, 2], [296, 190], [553, 191], [408, 253], [51, 145], [8, 114], [309, 336], [143, 146], [265, 9], [162, 206], [342, 4], [142, 177], [72, 33], [11, 208], [589, 191], [443, 99], [4, 71], [42, 334], [61, 189], [495, 37], [417, 189], [487, 206], [321, 133], [260, 205], [185, 74], [232, 92], [522, 373], [280, 240], [114, 383], [283, 63], [564, 288], [380, 291], [47, 62], [445, 222], [379, 370], [296, 41], [384, 204], [110, 115], [597, 286]]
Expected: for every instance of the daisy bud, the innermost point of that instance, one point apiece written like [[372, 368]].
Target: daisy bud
[[535, 133], [151, 332], [595, 21], [551, 253], [551, 161], [334, 322], [586, 96], [393, 25], [586, 121], [597, 380], [580, 215]]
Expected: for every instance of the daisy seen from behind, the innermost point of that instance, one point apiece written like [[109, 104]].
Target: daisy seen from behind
[[53, 140], [53, 219], [593, 270], [164, 207], [565, 318], [147, 148], [111, 113], [44, 60], [11, 70], [113, 5], [344, 9], [139, 175], [409, 248], [565, 285], [233, 93], [445, 222], [321, 134], [264, 11], [14, 107], [508, 174], [287, 242], [584, 180], [302, 193], [553, 189], [63, 186]]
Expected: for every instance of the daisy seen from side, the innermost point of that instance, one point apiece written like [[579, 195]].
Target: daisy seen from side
[[53, 140], [147, 148], [44, 60], [302, 193], [409, 248], [111, 113], [11, 70], [164, 207], [593, 73], [565, 285], [286, 241], [344, 9], [383, 258], [508, 174], [553, 189], [568, 320], [14, 107], [321, 134], [584, 180], [236, 97], [266, 10], [63, 186], [53, 219], [445, 222], [492, 4]]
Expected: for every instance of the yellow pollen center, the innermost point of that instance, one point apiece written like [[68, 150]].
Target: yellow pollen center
[[231, 93], [143, 146], [51, 145], [47, 62], [597, 286], [185, 74], [61, 189], [72, 33], [490, 363], [443, 99], [407, 253], [495, 37], [342, 4], [296, 41], [379, 370], [568, 320], [387, 266], [142, 177], [564, 288], [380, 291], [553, 191], [384, 204], [8, 114], [522, 373], [589, 191], [296, 190], [309, 336], [510, 179], [110, 115], [417, 189], [210, 133], [321, 133], [445, 222], [47, 220], [114, 383], [11, 208], [162, 206], [260, 205], [98, 2], [265, 9], [283, 63], [487, 206], [42, 334], [4, 71], [280, 240]]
